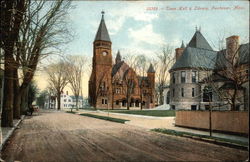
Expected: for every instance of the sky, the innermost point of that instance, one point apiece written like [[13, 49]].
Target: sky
[[143, 27]]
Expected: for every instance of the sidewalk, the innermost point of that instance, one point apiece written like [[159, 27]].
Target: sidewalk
[[6, 132], [150, 122]]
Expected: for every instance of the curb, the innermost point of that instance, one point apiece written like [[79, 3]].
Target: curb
[[10, 132], [217, 142], [134, 115]]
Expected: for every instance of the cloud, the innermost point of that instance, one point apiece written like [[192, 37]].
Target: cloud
[[146, 35], [118, 16]]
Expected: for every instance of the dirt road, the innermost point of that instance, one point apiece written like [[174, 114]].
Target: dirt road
[[59, 136]]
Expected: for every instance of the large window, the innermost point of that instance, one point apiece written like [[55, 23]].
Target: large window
[[194, 76], [183, 77], [174, 78], [192, 92]]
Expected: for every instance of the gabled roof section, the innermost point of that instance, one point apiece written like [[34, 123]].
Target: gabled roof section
[[102, 33], [196, 58], [198, 41]]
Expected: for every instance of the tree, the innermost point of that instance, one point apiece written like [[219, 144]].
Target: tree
[[43, 29], [230, 69], [130, 83], [74, 70], [32, 93], [58, 79], [164, 62], [11, 17], [40, 100]]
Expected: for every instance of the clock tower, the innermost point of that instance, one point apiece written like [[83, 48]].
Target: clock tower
[[100, 80]]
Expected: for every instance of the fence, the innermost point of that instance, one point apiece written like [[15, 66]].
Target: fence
[[224, 121]]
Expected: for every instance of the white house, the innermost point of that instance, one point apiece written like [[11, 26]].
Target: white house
[[67, 101]]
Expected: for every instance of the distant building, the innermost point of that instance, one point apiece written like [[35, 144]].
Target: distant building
[[198, 64], [117, 85], [67, 102]]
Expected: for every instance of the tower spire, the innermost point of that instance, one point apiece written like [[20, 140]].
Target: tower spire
[[102, 32]]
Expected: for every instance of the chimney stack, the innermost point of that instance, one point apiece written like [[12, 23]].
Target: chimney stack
[[232, 46], [179, 51]]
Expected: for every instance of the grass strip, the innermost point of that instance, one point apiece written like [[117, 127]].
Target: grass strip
[[158, 113], [105, 118], [193, 135]]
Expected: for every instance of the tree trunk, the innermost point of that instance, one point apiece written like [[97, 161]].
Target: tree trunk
[[8, 96], [77, 102], [17, 96], [141, 101], [112, 102], [59, 100], [24, 101], [161, 96]]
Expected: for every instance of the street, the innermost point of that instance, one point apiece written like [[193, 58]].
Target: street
[[60, 136]]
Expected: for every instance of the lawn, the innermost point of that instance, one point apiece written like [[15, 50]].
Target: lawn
[[159, 113], [105, 118]]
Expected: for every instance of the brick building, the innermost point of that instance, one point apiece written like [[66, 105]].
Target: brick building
[[202, 77], [117, 85]]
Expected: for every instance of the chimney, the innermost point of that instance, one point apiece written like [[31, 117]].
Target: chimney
[[232, 47], [179, 51]]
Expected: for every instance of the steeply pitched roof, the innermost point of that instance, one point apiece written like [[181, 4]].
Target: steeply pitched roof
[[244, 53], [198, 41], [116, 67], [102, 33], [196, 58], [151, 69]]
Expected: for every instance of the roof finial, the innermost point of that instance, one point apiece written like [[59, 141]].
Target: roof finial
[[103, 14], [196, 28]]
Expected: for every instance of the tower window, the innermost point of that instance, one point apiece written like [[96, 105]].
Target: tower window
[[182, 92], [183, 77], [192, 92], [194, 76], [173, 92]]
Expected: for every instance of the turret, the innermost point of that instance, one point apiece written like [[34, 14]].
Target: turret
[[118, 57]]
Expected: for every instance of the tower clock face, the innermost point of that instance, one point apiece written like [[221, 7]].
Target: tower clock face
[[104, 53]]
